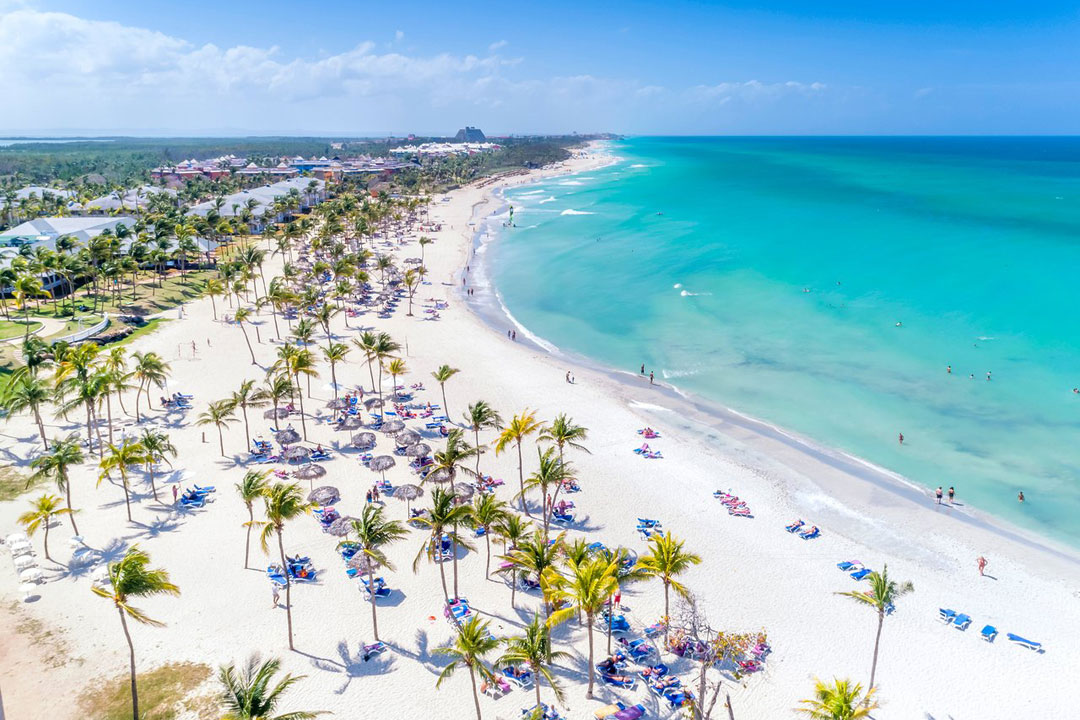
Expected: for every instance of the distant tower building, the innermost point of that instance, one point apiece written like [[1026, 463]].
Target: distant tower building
[[470, 134]]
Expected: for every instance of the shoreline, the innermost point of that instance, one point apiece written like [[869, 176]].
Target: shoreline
[[711, 415]]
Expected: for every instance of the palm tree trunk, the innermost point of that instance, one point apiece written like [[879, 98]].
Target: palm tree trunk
[[442, 574], [221, 440], [610, 622], [247, 540], [475, 696], [303, 424], [877, 643], [41, 427], [47, 519], [476, 437], [333, 379], [371, 595], [248, 341], [288, 587], [521, 480], [453, 545], [537, 676], [487, 563], [131, 660], [667, 615], [588, 694], [213, 305], [372, 374], [153, 485], [127, 497], [108, 411], [247, 431], [71, 515], [445, 410]]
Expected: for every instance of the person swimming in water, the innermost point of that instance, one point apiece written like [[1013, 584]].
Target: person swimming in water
[[1020, 496]]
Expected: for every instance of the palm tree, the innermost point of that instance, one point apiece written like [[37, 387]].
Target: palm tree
[[395, 367], [27, 393], [667, 560], [158, 447], [300, 363], [564, 433], [55, 464], [444, 373], [250, 489], [532, 556], [41, 514], [881, 596], [451, 460], [443, 517], [26, 287], [334, 353], [247, 396], [219, 414], [284, 502], [841, 700], [480, 416], [150, 369], [587, 587], [131, 577], [534, 649], [520, 427], [367, 343], [248, 694], [373, 533], [487, 512], [214, 288], [120, 458], [473, 641], [278, 388], [242, 316], [551, 472], [385, 346]]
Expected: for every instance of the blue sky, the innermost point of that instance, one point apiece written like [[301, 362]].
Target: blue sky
[[676, 67]]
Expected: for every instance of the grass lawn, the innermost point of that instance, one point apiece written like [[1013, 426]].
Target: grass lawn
[[148, 297], [163, 694], [10, 329]]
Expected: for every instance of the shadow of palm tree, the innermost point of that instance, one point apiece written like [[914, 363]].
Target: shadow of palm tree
[[350, 665]]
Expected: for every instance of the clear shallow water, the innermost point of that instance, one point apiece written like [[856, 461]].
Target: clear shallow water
[[774, 280]]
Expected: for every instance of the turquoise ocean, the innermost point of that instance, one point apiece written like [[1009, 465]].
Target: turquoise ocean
[[825, 285]]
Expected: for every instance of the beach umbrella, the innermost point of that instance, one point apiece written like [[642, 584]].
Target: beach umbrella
[[382, 463], [414, 261], [338, 404], [340, 527], [392, 426], [309, 471], [276, 414], [418, 450], [351, 422], [405, 438], [363, 440], [363, 563], [324, 495], [296, 452], [408, 493], [439, 475], [464, 491], [288, 436], [373, 402]]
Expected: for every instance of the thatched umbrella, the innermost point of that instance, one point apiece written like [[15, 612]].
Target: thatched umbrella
[[464, 491], [405, 438], [296, 453], [408, 493], [325, 495], [309, 472], [276, 414], [338, 404], [392, 426], [381, 464], [363, 563], [363, 440], [351, 422], [372, 403], [414, 261], [340, 527], [418, 450], [439, 475], [288, 436]]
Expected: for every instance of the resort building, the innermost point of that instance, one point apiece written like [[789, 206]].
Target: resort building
[[258, 201], [470, 135], [433, 149], [134, 199]]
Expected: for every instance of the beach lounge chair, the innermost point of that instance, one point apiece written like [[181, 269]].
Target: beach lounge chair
[[810, 534], [1023, 642], [634, 712], [645, 522], [849, 566], [373, 649], [946, 615], [619, 623], [654, 629], [522, 678], [860, 574], [961, 621], [562, 518], [608, 711], [626, 682], [989, 632], [652, 673], [795, 526]]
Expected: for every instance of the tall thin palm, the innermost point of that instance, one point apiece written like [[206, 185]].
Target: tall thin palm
[[839, 700], [251, 488], [487, 512], [444, 373], [480, 416], [27, 393], [666, 560], [150, 369], [247, 395], [472, 642], [335, 353], [881, 596], [244, 315], [159, 448], [297, 364], [373, 533], [564, 433], [534, 556], [55, 465], [551, 472], [519, 428], [534, 649], [278, 388], [451, 460], [251, 692], [132, 577], [443, 516], [120, 458], [219, 414], [42, 511], [284, 502]]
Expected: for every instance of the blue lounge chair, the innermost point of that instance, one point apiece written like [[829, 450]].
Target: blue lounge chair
[[810, 535], [523, 679], [207, 489], [860, 574], [989, 633], [849, 566], [564, 519], [620, 681], [795, 526], [1023, 642], [946, 615], [961, 621]]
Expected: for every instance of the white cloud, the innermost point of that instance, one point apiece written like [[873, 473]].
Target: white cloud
[[65, 72], [399, 35]]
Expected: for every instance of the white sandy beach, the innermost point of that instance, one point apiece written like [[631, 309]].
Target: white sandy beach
[[754, 575]]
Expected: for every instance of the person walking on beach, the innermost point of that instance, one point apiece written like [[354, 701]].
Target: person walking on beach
[[982, 565], [651, 378], [642, 368], [937, 494], [174, 489], [952, 494], [568, 376], [514, 337]]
